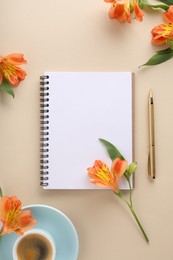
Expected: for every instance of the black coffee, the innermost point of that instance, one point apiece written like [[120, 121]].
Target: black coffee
[[34, 247]]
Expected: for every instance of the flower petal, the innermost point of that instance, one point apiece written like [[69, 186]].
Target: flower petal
[[25, 221], [168, 15], [119, 167], [16, 58], [138, 12]]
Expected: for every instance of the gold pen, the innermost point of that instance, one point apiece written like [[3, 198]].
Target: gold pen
[[151, 158]]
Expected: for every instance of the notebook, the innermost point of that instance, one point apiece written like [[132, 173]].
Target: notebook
[[78, 108]]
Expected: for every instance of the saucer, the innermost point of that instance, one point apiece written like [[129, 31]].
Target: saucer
[[57, 224]]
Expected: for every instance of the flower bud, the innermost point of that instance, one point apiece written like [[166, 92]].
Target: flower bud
[[132, 168]]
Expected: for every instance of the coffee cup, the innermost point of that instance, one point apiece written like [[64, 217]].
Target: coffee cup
[[34, 244]]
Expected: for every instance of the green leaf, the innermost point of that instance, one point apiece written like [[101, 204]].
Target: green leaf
[[112, 150], [164, 7], [159, 57], [6, 88], [165, 50], [167, 2], [1, 193], [160, 6]]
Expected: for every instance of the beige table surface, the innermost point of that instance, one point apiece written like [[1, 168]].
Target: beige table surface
[[78, 36]]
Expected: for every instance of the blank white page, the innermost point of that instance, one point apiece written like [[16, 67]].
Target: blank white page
[[83, 107]]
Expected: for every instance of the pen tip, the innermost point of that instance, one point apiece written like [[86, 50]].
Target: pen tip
[[150, 92], [151, 96]]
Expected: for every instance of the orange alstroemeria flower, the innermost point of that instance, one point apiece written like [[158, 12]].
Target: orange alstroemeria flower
[[162, 33], [121, 10], [101, 175], [14, 219], [9, 68]]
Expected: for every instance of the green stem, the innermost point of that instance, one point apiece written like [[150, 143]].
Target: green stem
[[127, 176], [138, 223], [119, 194], [131, 202]]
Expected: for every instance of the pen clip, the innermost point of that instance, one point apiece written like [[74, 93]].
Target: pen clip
[[149, 165]]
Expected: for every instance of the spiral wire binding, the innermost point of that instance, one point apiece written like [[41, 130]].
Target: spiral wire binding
[[44, 130]]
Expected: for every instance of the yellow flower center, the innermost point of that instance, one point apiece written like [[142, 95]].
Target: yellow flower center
[[167, 30], [8, 69], [14, 209], [104, 174]]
